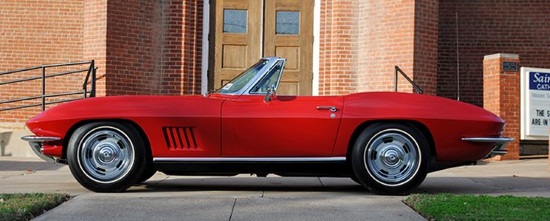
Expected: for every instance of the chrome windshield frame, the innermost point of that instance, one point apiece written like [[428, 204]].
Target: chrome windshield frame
[[245, 90]]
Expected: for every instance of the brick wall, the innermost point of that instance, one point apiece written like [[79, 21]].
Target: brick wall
[[337, 58], [34, 33], [140, 47], [148, 51], [387, 40], [154, 55], [425, 44], [488, 27], [192, 46], [154, 47], [95, 39], [362, 41]]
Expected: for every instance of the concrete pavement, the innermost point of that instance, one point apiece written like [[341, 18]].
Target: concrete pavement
[[272, 198], [518, 177]]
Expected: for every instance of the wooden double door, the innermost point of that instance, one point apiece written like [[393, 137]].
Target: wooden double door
[[247, 30]]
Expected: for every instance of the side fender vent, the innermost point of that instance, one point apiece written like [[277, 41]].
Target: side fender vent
[[180, 138]]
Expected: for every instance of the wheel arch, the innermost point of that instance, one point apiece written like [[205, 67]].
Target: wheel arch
[[136, 126], [418, 125]]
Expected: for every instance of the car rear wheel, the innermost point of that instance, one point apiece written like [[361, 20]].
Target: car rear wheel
[[390, 158], [106, 156]]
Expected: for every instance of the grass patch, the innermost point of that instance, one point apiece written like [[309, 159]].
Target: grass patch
[[479, 207], [26, 206]]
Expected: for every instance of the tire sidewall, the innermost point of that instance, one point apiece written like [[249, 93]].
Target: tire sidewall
[[121, 183], [364, 175]]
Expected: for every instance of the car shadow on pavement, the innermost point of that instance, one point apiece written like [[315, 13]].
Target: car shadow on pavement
[[281, 184], [505, 185]]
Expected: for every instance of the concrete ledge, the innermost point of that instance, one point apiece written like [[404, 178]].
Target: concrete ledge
[[501, 55], [12, 145]]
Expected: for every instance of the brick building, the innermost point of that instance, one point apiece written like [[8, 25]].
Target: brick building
[[176, 47]]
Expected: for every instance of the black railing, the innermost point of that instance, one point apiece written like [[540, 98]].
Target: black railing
[[416, 87], [89, 80]]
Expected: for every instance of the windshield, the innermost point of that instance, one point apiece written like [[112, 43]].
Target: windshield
[[240, 81]]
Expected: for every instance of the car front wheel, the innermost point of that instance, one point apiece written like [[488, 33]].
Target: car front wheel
[[390, 158], [106, 156]]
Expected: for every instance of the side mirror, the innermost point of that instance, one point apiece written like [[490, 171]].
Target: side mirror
[[270, 94]]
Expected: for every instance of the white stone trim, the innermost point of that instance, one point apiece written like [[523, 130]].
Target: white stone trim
[[316, 46], [205, 46], [501, 55]]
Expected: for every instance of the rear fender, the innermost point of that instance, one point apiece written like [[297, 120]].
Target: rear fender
[[415, 124]]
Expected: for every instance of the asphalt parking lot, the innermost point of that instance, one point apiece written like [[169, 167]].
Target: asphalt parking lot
[[272, 198]]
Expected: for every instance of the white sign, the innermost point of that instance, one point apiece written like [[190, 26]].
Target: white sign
[[535, 103]]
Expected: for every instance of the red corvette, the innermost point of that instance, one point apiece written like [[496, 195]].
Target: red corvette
[[385, 141]]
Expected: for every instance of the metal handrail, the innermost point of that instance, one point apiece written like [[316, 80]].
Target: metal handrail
[[416, 87], [91, 73]]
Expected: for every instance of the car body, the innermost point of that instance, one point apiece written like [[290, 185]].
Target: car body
[[386, 141]]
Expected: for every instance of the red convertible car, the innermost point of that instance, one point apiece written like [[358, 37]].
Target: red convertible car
[[386, 141]]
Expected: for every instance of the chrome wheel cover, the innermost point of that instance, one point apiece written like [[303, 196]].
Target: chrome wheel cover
[[105, 154], [392, 157]]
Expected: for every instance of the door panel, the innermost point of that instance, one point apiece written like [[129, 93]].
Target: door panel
[[248, 30], [239, 41], [289, 126], [289, 34]]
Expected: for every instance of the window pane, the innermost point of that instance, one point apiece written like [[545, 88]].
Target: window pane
[[234, 21], [271, 80], [288, 23], [240, 81]]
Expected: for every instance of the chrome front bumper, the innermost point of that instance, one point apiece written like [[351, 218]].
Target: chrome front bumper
[[500, 143], [36, 145]]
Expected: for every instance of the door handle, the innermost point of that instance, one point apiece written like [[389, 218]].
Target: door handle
[[330, 108]]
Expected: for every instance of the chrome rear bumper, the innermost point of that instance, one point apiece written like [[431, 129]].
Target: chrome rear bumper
[[500, 143], [36, 145]]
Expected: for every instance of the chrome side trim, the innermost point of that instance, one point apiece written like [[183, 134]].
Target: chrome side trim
[[249, 159], [500, 143], [488, 139]]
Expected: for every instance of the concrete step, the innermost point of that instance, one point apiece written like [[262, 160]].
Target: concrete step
[[11, 143]]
